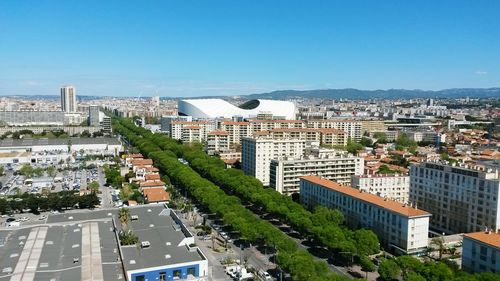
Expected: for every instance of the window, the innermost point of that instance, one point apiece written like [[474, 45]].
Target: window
[[163, 276], [191, 271], [139, 278], [177, 274]]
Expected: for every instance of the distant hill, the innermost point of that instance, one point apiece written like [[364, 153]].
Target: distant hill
[[324, 94], [378, 94]]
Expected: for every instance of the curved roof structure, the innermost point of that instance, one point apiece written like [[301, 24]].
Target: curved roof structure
[[214, 108]]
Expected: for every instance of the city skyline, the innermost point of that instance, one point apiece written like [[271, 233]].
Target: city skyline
[[185, 49]]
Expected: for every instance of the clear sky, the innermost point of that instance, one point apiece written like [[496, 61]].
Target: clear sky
[[189, 48]]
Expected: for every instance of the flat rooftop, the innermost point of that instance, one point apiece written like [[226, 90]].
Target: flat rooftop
[[47, 141], [59, 252], [82, 246], [167, 238]]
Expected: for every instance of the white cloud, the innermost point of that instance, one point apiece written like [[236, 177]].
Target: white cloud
[[481, 72]]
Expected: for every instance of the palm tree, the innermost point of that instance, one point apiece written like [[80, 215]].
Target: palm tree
[[124, 215], [128, 238], [439, 243]]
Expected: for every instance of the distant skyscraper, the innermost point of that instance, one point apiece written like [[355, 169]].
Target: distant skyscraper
[[94, 115], [68, 99], [155, 101], [430, 102]]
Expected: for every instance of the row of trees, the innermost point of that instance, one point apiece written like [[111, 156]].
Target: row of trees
[[28, 202], [299, 263], [324, 225], [30, 171], [411, 269]]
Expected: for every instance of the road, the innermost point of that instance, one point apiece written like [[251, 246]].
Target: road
[[300, 244], [106, 201]]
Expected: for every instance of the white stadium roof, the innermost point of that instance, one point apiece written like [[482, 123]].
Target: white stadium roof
[[214, 108]]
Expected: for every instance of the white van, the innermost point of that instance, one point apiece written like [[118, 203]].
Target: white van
[[264, 276]]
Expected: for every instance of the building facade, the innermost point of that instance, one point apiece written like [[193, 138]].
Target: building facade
[[94, 115], [394, 187], [329, 137], [32, 118], [257, 153], [165, 121], [334, 165], [106, 124], [191, 131], [353, 128], [481, 252], [217, 141], [68, 99], [401, 229], [462, 198], [426, 136]]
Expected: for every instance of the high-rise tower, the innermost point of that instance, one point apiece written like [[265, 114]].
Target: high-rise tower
[[68, 99]]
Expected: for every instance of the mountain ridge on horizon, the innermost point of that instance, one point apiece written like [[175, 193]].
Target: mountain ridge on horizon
[[349, 93]]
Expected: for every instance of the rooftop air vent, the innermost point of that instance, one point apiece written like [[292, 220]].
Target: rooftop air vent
[[134, 217], [145, 244]]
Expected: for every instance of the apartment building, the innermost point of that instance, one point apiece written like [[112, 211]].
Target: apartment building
[[401, 229], [372, 126], [462, 198], [322, 136], [217, 141], [257, 153], [266, 125], [191, 131], [394, 187], [353, 129], [426, 136], [331, 164], [481, 252], [166, 121], [236, 130]]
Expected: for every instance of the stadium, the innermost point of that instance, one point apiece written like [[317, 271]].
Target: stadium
[[216, 108]]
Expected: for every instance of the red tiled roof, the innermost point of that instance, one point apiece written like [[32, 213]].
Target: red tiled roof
[[222, 133], [142, 162], [135, 155], [235, 123], [156, 194], [492, 238], [151, 184], [368, 197], [191, 123], [152, 177], [334, 131], [276, 121]]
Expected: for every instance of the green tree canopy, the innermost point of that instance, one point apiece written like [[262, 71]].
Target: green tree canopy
[[388, 270]]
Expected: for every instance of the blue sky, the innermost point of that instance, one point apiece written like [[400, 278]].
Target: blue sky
[[190, 48]]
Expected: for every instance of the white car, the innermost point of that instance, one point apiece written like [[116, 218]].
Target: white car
[[42, 217], [24, 219]]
